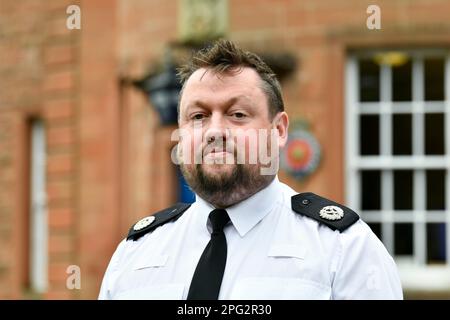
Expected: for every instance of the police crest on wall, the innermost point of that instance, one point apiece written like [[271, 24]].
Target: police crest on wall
[[302, 153]]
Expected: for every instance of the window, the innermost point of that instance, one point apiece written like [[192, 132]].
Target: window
[[398, 152], [38, 212]]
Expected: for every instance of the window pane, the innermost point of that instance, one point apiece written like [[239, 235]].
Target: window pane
[[435, 189], [369, 139], [403, 189], [376, 228], [434, 79], [401, 134], [403, 233], [402, 82], [371, 190], [38, 252], [369, 81], [434, 133], [435, 242]]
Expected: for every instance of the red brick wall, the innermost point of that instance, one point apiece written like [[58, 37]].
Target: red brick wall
[[39, 72], [108, 159], [98, 182]]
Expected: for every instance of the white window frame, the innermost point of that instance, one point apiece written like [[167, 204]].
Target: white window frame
[[38, 211], [415, 274]]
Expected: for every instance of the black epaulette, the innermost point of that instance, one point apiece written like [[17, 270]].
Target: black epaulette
[[327, 212], [152, 222]]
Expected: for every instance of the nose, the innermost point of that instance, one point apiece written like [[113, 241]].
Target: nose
[[217, 129]]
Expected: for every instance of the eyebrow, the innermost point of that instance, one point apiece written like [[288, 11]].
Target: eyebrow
[[228, 103]]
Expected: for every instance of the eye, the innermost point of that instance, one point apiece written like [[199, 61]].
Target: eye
[[239, 115], [198, 116]]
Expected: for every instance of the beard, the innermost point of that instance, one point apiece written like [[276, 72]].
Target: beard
[[224, 183], [224, 188]]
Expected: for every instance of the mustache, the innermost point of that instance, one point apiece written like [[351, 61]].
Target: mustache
[[220, 145]]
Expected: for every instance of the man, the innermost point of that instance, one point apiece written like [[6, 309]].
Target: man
[[247, 236]]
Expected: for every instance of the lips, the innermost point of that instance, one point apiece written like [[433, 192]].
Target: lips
[[218, 153], [216, 150]]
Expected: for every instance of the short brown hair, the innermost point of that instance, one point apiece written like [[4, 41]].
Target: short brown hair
[[224, 56]]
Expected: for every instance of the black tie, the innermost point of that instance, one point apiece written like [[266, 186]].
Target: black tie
[[208, 275]]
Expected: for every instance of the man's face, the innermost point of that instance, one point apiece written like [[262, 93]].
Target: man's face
[[226, 118]]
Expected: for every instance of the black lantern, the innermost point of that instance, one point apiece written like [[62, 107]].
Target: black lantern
[[163, 89]]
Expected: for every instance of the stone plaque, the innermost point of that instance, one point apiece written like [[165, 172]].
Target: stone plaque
[[202, 19]]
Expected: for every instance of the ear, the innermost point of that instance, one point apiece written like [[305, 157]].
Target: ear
[[281, 124]]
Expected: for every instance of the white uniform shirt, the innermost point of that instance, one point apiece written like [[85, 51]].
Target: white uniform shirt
[[273, 253]]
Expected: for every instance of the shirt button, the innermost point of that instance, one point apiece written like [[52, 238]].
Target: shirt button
[[305, 202]]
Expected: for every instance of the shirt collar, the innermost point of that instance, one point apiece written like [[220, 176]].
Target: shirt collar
[[246, 214]]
